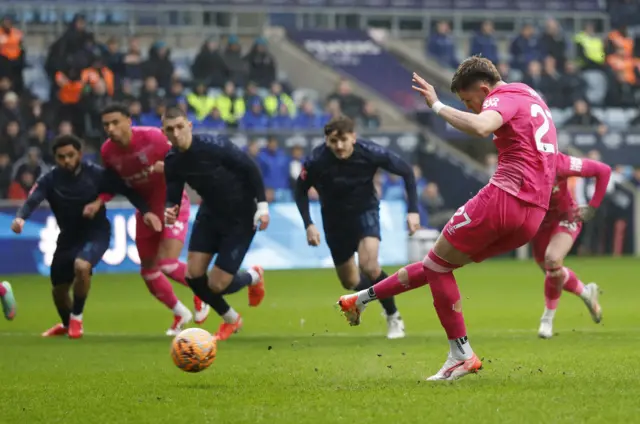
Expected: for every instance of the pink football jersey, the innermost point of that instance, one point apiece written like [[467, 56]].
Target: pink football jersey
[[562, 204], [135, 163], [526, 143]]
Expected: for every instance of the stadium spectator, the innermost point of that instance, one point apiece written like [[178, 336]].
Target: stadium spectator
[[369, 118], [71, 49], [176, 95], [551, 83], [253, 149], [159, 65], [583, 117], [234, 62], [262, 66], [209, 65], [133, 61], [274, 164], [307, 118], [251, 94], [12, 141], [97, 73], [65, 128], [620, 92], [10, 110], [213, 121], [231, 106], [255, 118], [70, 88], [154, 118], [5, 174], [350, 104], [295, 165], [135, 110], [113, 59], [150, 94], [283, 120], [5, 85], [484, 43], [573, 85], [276, 98], [441, 46], [19, 189], [200, 102], [533, 77], [434, 205], [39, 138], [12, 53], [553, 43], [93, 102], [524, 48], [505, 72], [589, 48]]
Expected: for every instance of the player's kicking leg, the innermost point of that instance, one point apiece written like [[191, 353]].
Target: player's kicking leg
[[8, 300], [559, 278], [470, 236]]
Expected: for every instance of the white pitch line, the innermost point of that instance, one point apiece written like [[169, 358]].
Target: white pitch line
[[322, 334]]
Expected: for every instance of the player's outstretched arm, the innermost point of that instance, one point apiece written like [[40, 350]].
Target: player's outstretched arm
[[111, 183], [36, 196], [481, 125]]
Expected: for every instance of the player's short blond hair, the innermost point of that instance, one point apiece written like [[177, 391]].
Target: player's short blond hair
[[473, 70]]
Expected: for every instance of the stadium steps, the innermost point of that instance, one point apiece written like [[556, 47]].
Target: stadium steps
[[296, 63]]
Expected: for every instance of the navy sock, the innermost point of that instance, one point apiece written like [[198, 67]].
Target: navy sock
[[240, 280], [389, 304], [364, 283], [200, 288], [64, 315], [78, 304]]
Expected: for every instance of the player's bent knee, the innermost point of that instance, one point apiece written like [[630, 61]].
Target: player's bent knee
[[82, 268], [348, 284], [552, 260], [370, 269], [403, 275]]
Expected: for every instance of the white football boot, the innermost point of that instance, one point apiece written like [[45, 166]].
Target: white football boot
[[591, 301], [395, 326], [454, 369], [179, 321]]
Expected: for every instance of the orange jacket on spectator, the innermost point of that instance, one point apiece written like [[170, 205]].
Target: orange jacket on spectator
[[92, 75], [625, 64], [620, 40], [70, 91], [16, 191], [11, 44]]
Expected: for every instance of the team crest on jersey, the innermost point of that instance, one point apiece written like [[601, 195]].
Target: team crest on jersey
[[490, 102]]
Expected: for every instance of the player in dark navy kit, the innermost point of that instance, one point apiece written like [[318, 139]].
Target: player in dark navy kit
[[342, 172], [233, 207], [82, 241]]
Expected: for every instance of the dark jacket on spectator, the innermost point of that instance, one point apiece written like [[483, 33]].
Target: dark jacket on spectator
[[209, 66], [159, 66], [262, 67]]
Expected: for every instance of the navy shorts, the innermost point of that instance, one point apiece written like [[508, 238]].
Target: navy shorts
[[229, 240], [89, 248], [344, 233]]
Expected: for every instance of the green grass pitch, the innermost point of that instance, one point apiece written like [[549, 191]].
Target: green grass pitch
[[297, 361]]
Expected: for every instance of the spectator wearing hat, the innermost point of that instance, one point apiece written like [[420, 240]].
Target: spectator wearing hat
[[262, 66], [209, 65], [236, 65], [159, 65]]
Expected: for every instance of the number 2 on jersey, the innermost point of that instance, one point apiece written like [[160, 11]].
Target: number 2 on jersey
[[542, 131]]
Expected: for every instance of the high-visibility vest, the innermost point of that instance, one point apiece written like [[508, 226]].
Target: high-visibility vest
[[624, 64], [71, 92], [593, 47], [91, 76], [10, 44], [625, 42]]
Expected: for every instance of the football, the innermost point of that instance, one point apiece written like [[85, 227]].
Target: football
[[193, 350]]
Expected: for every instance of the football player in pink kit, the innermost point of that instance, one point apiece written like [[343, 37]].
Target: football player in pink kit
[[137, 155], [557, 233], [503, 216]]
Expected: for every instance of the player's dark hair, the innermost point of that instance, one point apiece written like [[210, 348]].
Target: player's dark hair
[[472, 70], [116, 108], [173, 113], [66, 140], [340, 125]]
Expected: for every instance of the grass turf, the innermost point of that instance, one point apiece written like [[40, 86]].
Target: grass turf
[[297, 361]]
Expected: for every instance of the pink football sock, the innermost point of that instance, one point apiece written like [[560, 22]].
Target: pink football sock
[[160, 287], [3, 290], [572, 283], [392, 286], [446, 295], [174, 269], [553, 287]]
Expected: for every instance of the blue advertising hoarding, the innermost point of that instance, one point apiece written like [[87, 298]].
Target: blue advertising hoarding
[[282, 246]]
